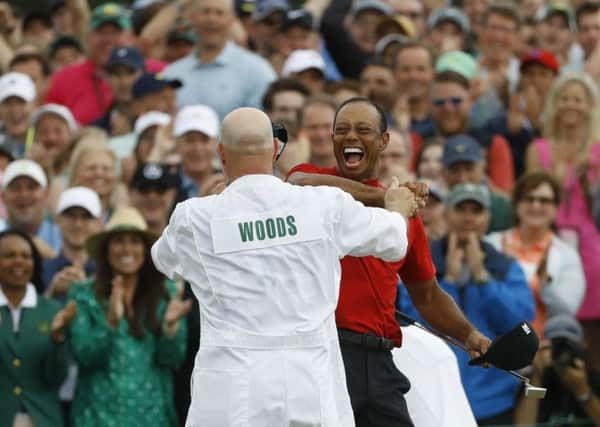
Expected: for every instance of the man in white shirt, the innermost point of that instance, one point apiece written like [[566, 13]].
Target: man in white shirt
[[263, 260]]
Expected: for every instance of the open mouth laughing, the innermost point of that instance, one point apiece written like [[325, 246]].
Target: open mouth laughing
[[353, 156]]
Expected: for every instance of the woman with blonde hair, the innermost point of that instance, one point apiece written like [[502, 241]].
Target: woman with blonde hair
[[59, 173], [94, 165], [570, 150]]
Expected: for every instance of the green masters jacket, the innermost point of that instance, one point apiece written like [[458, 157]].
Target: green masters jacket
[[123, 381], [32, 365]]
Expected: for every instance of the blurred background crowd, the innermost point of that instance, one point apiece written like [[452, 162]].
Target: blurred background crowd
[[109, 116]]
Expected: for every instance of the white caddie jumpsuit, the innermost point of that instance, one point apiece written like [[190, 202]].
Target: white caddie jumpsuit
[[263, 260]]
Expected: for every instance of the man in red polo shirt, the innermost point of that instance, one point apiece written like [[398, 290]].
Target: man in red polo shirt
[[83, 87], [365, 315]]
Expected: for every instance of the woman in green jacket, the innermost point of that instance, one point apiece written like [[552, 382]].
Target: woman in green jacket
[[33, 357], [128, 335]]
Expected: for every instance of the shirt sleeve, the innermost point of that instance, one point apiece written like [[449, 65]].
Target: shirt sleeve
[[418, 265], [165, 250], [500, 164], [363, 231], [303, 168]]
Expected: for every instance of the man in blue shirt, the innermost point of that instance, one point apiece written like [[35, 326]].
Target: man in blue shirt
[[490, 289], [219, 73], [78, 215]]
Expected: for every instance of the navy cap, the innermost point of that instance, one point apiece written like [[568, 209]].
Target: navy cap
[[128, 56], [150, 83], [155, 175], [299, 18], [461, 148], [264, 8]]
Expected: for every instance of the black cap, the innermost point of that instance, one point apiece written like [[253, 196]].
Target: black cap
[[264, 8], [155, 175], [36, 15], [150, 83], [298, 18], [513, 350], [128, 56], [181, 35], [461, 148], [63, 41]]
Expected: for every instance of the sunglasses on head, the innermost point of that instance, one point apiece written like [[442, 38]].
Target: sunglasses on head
[[455, 101]]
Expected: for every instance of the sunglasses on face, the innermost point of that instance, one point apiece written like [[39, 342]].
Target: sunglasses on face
[[546, 201], [455, 101]]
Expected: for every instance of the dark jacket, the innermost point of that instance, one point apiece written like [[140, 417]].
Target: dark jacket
[[348, 56], [32, 366]]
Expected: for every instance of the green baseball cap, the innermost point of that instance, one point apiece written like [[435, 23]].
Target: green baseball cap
[[459, 62], [471, 192], [111, 13]]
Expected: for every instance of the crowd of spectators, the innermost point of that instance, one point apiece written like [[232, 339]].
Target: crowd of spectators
[[110, 115]]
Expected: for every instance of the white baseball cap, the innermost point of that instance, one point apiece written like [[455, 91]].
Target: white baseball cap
[[17, 84], [200, 118], [24, 167], [80, 197], [57, 109], [301, 60], [147, 120]]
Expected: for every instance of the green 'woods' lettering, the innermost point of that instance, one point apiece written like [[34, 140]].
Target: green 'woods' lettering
[[271, 228]]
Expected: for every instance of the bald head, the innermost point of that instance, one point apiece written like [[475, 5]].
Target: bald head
[[248, 131]]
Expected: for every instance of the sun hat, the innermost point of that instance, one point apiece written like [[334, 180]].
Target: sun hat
[[125, 219]]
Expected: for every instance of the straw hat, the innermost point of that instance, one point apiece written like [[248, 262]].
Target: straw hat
[[123, 219]]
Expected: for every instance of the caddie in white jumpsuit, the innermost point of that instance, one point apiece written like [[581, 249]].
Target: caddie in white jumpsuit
[[263, 260]]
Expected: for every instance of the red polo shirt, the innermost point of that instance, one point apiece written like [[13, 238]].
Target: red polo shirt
[[369, 285], [81, 88]]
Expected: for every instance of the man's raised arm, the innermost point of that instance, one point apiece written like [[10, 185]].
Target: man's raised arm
[[369, 196]]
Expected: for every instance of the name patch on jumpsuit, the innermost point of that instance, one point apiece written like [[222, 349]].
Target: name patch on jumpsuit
[[242, 233]]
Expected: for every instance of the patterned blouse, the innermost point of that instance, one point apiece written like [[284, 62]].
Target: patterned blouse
[[123, 381]]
